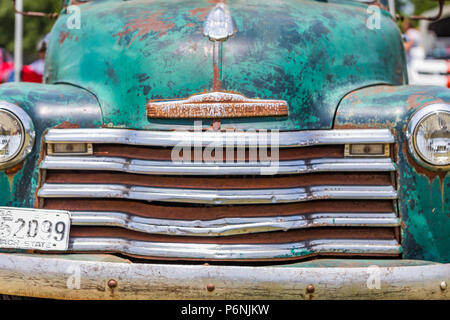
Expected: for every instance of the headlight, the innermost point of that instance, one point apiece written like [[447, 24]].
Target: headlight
[[429, 136], [16, 135]]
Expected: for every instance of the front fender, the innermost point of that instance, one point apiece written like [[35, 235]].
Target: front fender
[[423, 195], [48, 106]]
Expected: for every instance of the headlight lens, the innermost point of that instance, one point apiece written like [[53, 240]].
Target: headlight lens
[[16, 135], [11, 136], [430, 135]]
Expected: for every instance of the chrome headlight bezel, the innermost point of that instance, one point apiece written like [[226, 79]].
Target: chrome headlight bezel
[[27, 127], [417, 118]]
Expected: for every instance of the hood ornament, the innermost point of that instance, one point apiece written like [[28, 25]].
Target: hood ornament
[[219, 24]]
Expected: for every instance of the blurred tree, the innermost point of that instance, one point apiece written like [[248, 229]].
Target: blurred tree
[[400, 4], [421, 6], [34, 28]]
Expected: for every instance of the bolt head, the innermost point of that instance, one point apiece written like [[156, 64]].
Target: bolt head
[[310, 289], [210, 287], [443, 285], [112, 284]]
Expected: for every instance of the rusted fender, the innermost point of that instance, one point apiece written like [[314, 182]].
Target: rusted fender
[[74, 278], [423, 194], [48, 106]]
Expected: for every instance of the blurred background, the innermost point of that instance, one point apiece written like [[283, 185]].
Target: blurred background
[[421, 41], [34, 27]]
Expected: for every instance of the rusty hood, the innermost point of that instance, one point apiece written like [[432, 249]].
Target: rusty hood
[[309, 54]]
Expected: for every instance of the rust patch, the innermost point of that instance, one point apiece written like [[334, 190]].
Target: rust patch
[[200, 13], [15, 169], [11, 172], [217, 82], [219, 182], [419, 100], [67, 125], [216, 105], [355, 97], [376, 90], [255, 238], [150, 22], [431, 175], [63, 36], [369, 125], [204, 212], [165, 154]]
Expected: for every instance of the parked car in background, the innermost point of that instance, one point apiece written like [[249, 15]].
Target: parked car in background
[[430, 61]]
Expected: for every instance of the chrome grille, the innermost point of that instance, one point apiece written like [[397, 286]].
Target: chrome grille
[[129, 197]]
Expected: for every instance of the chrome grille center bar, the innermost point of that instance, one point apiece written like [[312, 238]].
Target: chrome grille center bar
[[206, 138], [211, 168], [217, 197]]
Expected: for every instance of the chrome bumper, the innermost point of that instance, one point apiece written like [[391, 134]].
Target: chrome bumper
[[108, 277]]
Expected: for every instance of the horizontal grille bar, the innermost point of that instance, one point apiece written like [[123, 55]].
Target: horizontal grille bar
[[187, 212], [166, 153], [219, 182], [216, 196], [275, 237], [206, 138], [226, 168], [235, 251], [232, 226]]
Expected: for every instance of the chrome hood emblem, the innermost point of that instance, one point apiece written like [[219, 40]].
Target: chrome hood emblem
[[219, 24], [216, 105]]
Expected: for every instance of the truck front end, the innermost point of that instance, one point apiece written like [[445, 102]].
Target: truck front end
[[210, 150]]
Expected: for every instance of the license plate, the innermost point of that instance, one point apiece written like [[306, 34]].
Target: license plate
[[34, 229]]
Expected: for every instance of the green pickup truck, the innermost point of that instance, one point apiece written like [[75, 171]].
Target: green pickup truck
[[235, 149]]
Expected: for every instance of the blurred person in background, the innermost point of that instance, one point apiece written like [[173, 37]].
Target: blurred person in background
[[6, 65], [35, 71], [413, 38]]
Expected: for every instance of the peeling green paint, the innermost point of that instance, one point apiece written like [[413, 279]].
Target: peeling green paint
[[309, 53], [424, 207], [48, 106]]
